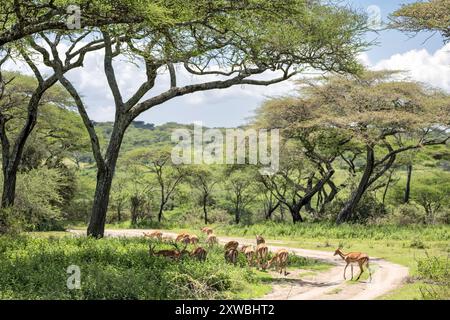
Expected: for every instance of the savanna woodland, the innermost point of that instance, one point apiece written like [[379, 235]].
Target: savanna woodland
[[364, 158]]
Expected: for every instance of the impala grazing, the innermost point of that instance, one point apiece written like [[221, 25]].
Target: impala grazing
[[231, 256], [181, 236], [352, 257], [172, 254], [212, 240], [249, 253], [154, 235], [231, 245], [259, 240], [261, 254], [199, 253], [207, 230], [193, 239], [280, 259]]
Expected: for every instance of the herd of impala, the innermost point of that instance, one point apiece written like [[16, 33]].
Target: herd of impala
[[258, 254]]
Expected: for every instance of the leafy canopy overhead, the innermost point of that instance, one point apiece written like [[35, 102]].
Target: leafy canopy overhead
[[433, 15]]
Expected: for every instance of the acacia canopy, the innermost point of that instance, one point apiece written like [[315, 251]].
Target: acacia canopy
[[433, 15]]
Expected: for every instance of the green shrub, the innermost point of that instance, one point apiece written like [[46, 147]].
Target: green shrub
[[408, 213], [435, 271]]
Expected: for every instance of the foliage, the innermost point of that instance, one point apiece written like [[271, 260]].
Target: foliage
[[431, 15], [432, 194], [39, 200], [436, 273]]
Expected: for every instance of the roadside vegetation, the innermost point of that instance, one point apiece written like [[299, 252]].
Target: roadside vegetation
[[34, 266]]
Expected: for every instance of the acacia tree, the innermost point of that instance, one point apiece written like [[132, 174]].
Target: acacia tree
[[14, 141], [234, 42], [306, 142], [168, 176], [298, 180], [204, 180], [240, 189], [432, 15], [385, 117]]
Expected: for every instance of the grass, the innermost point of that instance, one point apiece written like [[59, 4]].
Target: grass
[[34, 266]]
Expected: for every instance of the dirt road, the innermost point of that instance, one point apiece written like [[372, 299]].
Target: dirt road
[[328, 285]]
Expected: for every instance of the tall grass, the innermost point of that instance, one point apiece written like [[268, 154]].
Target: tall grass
[[345, 231], [35, 268]]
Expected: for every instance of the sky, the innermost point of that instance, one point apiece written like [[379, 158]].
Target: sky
[[425, 59]]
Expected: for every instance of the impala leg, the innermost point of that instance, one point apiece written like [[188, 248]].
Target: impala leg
[[351, 268], [345, 269], [362, 270], [368, 269]]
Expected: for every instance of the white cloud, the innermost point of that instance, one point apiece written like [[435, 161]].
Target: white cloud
[[429, 68]]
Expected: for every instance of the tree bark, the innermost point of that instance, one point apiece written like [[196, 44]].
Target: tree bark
[[205, 198], [105, 176], [295, 212], [271, 210], [409, 169], [388, 183], [9, 187], [350, 206], [119, 213], [160, 212]]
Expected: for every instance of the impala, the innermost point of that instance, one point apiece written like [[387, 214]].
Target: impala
[[261, 254], [181, 236], [199, 253], [207, 230], [212, 240], [172, 254], [244, 246], [280, 260], [231, 256], [193, 239], [249, 253], [231, 245], [154, 235], [259, 240], [352, 257]]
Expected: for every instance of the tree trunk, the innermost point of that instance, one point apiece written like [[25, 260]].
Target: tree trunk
[[295, 212], [271, 210], [9, 187], [237, 214], [119, 212], [409, 169], [307, 202], [350, 206], [204, 209], [388, 183], [160, 212], [105, 176]]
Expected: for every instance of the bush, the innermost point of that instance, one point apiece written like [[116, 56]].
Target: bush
[[435, 271], [408, 213], [11, 221], [38, 200], [369, 209]]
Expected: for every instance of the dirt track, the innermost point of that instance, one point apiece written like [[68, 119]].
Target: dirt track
[[327, 285]]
